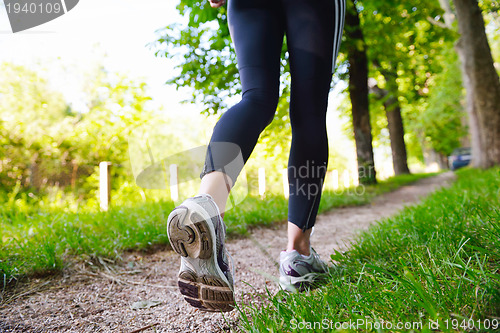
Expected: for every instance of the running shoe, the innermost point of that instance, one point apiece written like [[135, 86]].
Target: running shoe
[[298, 272], [197, 232]]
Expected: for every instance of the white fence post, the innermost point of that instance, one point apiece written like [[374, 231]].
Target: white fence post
[[355, 179], [174, 184], [262, 181], [345, 175], [104, 185]]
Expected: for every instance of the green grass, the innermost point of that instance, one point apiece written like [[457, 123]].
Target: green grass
[[433, 264], [40, 243], [37, 241]]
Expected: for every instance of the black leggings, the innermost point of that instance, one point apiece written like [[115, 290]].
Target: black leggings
[[314, 30]]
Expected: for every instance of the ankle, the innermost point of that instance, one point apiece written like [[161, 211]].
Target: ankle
[[298, 239], [303, 249]]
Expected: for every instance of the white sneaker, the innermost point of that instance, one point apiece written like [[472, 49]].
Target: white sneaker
[[197, 232], [298, 271]]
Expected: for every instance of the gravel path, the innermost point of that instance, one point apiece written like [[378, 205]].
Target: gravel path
[[100, 300]]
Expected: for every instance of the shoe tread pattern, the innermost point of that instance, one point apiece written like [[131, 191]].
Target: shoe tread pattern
[[189, 238], [207, 293]]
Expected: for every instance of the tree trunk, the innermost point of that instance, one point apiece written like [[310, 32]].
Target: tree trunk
[[396, 130], [475, 137], [395, 125], [396, 134], [358, 91], [482, 84]]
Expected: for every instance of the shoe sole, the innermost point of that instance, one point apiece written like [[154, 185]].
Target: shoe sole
[[202, 282]]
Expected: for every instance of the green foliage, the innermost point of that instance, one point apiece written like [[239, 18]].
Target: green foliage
[[441, 121], [46, 145], [28, 110], [203, 48], [406, 50], [490, 7], [491, 15], [406, 41], [435, 262]]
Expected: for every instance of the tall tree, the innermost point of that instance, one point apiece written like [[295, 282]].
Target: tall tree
[[358, 91], [394, 122], [395, 125], [481, 82], [403, 49]]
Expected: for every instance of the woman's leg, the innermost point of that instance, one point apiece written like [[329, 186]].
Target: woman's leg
[[218, 185], [257, 29], [298, 239], [314, 30], [194, 228]]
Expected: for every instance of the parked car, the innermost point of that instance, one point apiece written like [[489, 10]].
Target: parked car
[[459, 158]]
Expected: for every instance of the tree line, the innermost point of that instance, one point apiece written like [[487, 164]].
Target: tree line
[[47, 144]]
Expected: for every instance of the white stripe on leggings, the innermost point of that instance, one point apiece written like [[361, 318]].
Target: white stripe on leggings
[[339, 26]]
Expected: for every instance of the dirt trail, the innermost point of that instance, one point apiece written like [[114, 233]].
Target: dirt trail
[[85, 300]]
